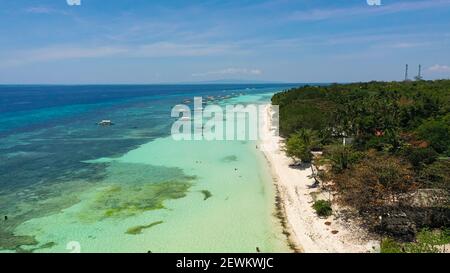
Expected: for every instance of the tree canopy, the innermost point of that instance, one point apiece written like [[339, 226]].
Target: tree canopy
[[381, 141]]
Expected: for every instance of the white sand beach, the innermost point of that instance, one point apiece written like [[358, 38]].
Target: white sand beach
[[308, 232]]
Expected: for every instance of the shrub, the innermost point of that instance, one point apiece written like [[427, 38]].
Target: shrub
[[376, 180], [323, 208], [419, 157], [436, 175], [389, 245], [427, 241], [297, 148], [341, 157], [437, 133]]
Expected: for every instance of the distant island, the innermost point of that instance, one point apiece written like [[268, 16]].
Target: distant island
[[370, 160], [235, 81]]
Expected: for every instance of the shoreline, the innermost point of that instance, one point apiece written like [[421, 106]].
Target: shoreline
[[305, 231]]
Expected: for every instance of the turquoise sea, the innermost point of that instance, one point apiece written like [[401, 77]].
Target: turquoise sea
[[67, 184]]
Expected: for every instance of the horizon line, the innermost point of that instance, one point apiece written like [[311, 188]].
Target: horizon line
[[163, 83]]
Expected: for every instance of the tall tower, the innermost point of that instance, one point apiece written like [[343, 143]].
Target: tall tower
[[406, 72], [419, 75]]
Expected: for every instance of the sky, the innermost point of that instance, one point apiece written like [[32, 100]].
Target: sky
[[183, 41]]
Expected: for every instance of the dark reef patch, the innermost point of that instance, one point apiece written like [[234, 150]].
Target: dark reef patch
[[230, 158], [138, 229], [44, 246], [121, 201], [206, 194], [34, 202], [135, 188], [125, 190], [10, 241]]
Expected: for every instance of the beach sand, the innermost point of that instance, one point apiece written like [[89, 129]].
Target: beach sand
[[307, 232]]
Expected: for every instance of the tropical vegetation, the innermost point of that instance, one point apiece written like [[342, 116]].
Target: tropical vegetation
[[385, 149]]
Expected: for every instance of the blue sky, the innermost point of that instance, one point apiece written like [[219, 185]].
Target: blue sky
[[152, 41]]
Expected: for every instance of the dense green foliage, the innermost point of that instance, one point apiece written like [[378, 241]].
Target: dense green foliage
[[323, 208], [437, 133], [408, 120], [381, 141], [299, 145], [427, 241], [341, 157]]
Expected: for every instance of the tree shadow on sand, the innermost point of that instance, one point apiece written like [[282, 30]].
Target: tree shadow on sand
[[304, 166], [300, 166]]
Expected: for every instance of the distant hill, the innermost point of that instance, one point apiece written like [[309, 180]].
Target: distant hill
[[235, 81]]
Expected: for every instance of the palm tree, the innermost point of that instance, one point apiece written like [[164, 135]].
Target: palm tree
[[307, 136]]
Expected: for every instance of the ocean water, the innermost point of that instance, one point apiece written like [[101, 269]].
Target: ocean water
[[68, 183]]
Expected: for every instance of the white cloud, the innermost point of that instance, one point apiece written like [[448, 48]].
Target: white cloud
[[168, 49], [153, 50], [44, 10], [56, 53], [39, 10], [231, 71], [402, 45], [437, 68]]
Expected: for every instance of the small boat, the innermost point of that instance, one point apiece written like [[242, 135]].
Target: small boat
[[185, 119], [105, 122]]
